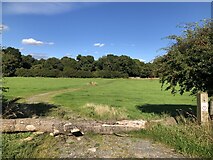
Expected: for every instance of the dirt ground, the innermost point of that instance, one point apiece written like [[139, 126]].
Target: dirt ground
[[112, 146]]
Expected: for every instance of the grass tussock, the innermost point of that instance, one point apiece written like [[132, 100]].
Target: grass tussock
[[16, 145], [105, 112], [191, 139]]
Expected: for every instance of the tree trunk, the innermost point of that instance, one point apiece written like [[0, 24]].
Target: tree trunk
[[65, 127]]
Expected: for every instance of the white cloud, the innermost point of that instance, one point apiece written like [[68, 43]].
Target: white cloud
[[142, 60], [99, 44], [48, 8], [39, 55], [31, 41], [3, 27]]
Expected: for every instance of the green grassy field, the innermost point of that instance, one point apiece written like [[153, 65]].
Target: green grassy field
[[112, 99], [108, 99], [23, 87]]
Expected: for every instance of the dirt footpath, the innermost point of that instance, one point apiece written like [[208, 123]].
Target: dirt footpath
[[112, 146]]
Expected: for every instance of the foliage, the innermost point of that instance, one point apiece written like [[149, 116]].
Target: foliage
[[110, 66], [188, 62], [11, 60]]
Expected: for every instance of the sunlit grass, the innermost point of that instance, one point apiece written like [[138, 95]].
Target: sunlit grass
[[125, 95], [192, 139], [16, 145]]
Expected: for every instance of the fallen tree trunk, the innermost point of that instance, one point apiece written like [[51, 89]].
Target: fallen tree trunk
[[56, 127]]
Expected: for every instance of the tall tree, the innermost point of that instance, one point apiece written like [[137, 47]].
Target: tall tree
[[69, 62], [28, 61], [53, 63], [11, 60], [86, 63], [188, 63]]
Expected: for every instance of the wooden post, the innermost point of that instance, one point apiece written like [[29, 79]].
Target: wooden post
[[202, 107], [211, 108]]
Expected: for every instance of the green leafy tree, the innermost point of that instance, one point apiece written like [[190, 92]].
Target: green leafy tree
[[86, 63], [11, 60], [69, 63], [188, 64], [53, 63], [108, 63], [28, 61]]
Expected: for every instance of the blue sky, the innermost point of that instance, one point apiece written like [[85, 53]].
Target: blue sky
[[68, 29]]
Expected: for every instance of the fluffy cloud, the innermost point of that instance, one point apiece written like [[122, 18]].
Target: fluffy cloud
[[31, 41], [3, 27], [99, 44]]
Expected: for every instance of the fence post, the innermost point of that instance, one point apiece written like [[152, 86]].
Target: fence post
[[202, 107], [211, 108]]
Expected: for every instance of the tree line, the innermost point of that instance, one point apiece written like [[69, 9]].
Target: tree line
[[109, 66]]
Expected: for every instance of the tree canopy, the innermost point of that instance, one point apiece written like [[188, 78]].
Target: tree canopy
[[109, 66], [188, 64]]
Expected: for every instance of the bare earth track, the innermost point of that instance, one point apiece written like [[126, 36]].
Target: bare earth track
[[105, 146], [46, 97]]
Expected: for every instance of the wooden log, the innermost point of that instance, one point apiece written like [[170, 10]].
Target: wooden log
[[56, 127], [27, 124]]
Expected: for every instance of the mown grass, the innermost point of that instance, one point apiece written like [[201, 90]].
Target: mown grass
[[15, 146], [23, 87], [192, 140], [126, 96]]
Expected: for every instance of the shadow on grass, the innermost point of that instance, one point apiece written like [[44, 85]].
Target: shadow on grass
[[35, 110], [11, 109], [170, 109], [23, 110]]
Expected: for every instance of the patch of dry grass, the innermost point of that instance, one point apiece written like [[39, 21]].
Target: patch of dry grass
[[104, 111]]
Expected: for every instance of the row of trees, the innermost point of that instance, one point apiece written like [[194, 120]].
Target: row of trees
[[110, 66]]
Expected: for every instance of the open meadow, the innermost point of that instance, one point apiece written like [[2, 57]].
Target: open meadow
[[102, 98]]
